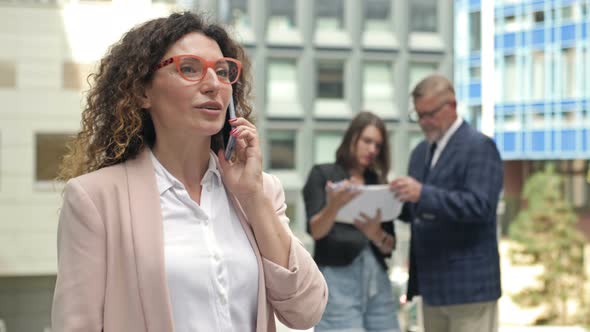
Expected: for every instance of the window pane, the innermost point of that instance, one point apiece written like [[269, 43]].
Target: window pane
[[378, 87], [330, 84], [330, 14], [7, 74], [538, 75], [234, 12], [377, 15], [75, 75], [568, 74], [420, 70], [282, 14], [567, 13], [475, 73], [509, 78], [325, 145], [475, 116], [539, 17], [475, 31], [282, 81], [282, 149], [50, 148], [423, 16]]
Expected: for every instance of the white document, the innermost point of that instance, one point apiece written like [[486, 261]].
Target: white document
[[371, 198]]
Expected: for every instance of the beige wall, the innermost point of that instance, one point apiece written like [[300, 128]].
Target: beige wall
[[44, 54]]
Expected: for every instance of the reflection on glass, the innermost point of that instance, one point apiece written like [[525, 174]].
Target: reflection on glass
[[282, 81], [282, 149], [568, 72], [330, 82], [325, 145], [419, 70], [377, 15], [567, 13], [539, 17], [475, 73], [423, 16], [234, 12], [475, 116], [509, 78], [282, 15], [538, 80], [330, 14], [49, 150], [475, 31]]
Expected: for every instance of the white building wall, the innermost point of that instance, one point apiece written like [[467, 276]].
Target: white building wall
[[38, 41]]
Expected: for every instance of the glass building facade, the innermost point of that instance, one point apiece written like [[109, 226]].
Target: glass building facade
[[541, 61]]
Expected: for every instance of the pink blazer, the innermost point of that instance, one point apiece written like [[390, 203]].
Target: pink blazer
[[111, 273]]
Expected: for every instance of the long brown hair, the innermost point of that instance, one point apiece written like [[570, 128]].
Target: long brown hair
[[345, 155], [115, 128]]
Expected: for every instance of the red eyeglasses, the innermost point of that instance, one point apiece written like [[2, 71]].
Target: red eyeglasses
[[193, 68]]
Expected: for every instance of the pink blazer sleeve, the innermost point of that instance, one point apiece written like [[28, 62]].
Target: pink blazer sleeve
[[79, 291], [298, 294]]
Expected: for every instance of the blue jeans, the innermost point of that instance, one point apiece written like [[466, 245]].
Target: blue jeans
[[360, 297]]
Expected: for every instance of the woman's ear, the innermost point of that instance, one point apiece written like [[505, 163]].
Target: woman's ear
[[145, 99], [145, 102]]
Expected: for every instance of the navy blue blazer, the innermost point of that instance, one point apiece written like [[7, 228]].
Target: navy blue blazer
[[454, 247]]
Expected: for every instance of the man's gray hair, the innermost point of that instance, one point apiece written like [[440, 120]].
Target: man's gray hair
[[433, 85]]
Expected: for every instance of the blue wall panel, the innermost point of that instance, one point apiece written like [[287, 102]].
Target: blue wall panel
[[509, 142], [538, 141], [568, 140], [538, 36], [568, 32], [475, 90], [509, 40]]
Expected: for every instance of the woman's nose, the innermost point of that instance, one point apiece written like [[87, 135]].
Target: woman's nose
[[210, 82]]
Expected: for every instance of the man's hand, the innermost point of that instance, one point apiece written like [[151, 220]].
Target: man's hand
[[406, 188]]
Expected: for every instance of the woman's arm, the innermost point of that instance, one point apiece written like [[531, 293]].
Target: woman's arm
[[298, 293], [323, 203], [78, 301]]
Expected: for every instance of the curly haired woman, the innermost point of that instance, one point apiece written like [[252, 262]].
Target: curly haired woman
[[158, 231]]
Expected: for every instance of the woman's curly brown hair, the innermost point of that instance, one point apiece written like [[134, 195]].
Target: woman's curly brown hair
[[115, 128]]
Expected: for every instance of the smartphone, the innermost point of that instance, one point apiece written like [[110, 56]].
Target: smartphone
[[231, 142]]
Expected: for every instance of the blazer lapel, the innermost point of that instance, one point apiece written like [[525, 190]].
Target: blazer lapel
[[444, 160], [148, 243], [261, 315]]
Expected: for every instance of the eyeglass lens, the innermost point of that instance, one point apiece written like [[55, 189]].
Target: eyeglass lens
[[194, 69]]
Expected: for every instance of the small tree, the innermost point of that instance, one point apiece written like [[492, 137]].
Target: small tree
[[546, 234]]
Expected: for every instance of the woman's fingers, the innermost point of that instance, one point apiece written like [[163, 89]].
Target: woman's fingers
[[246, 133], [246, 138], [242, 122]]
